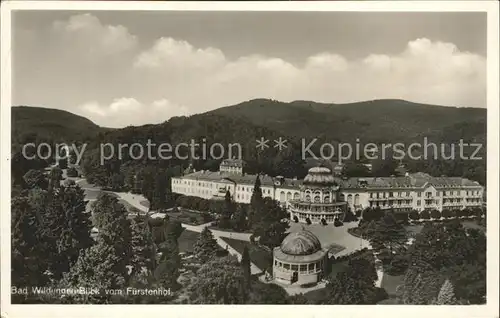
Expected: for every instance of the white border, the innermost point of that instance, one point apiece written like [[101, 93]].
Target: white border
[[489, 310]]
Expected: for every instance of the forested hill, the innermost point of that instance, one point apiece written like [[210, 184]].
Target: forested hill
[[389, 121], [47, 124], [372, 121]]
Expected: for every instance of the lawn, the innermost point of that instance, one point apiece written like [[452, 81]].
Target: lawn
[[187, 240], [258, 255]]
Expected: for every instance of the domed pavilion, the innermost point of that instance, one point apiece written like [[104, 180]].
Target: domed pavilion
[[300, 259], [318, 202]]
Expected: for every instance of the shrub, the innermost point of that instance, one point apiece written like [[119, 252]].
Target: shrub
[[308, 221], [72, 172], [413, 215], [296, 219], [323, 221], [206, 217], [338, 223], [448, 213], [462, 213], [425, 215], [350, 217], [193, 219], [68, 182], [435, 214]]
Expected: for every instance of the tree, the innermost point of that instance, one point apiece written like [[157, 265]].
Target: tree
[[240, 222], [447, 213], [425, 214], [345, 289], [167, 271], [117, 182], [384, 167], [206, 246], [413, 215], [246, 267], [435, 214], [256, 203], [35, 179], [28, 257], [99, 267], [225, 218], [388, 232], [446, 294], [142, 247], [159, 193], [256, 199], [219, 281], [66, 227], [72, 172], [55, 177], [350, 216], [270, 223], [110, 218], [352, 169], [271, 294], [446, 251], [372, 214], [63, 163]]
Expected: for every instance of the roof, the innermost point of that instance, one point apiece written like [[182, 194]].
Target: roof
[[249, 179], [299, 259], [319, 176], [415, 180], [233, 163], [300, 243]]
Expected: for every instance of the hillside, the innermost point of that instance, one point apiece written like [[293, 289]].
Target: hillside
[[370, 121], [46, 124], [389, 121]]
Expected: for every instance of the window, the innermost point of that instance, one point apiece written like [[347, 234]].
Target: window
[[419, 194], [418, 202], [428, 194], [286, 266], [295, 268], [303, 268]]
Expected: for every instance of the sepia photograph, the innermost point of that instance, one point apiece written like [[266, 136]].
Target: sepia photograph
[[250, 154]]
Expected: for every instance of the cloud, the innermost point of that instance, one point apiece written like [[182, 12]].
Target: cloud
[[127, 111], [89, 36], [93, 65], [424, 71]]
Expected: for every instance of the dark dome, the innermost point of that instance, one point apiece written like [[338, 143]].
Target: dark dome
[[319, 176], [300, 243]]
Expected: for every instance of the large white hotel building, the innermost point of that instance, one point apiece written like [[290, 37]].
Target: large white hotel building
[[416, 191]]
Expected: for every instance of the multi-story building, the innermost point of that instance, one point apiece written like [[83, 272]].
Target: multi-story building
[[417, 191]]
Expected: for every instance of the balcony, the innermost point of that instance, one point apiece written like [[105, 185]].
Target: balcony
[[316, 207]]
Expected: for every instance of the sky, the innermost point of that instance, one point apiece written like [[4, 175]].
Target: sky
[[121, 68]]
